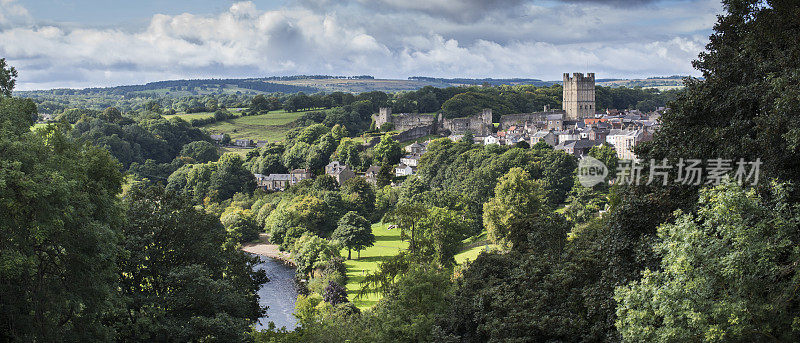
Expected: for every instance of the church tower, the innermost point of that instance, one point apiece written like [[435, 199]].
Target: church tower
[[578, 99]]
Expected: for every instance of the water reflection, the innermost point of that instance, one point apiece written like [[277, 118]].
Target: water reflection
[[279, 294]]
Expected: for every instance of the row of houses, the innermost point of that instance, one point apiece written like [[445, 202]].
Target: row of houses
[[279, 182], [240, 142], [622, 130]]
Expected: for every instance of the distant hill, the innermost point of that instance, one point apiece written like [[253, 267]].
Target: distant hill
[[660, 82], [486, 81], [281, 84], [183, 88]]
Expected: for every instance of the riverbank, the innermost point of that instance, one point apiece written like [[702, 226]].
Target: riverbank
[[264, 248]]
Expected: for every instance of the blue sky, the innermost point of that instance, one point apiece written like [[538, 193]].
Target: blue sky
[[112, 13], [87, 43]]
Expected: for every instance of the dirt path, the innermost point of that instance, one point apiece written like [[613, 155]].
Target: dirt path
[[266, 249]]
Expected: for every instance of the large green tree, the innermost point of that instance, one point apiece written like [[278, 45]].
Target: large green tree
[[727, 274], [518, 216], [8, 78], [180, 280], [60, 222], [354, 232]]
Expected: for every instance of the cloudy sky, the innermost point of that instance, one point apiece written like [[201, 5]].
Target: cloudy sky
[[86, 43]]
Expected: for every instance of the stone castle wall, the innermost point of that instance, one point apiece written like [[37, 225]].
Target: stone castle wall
[[522, 119], [478, 125], [414, 133], [402, 121]]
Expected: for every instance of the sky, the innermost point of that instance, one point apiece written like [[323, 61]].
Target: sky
[[95, 43]]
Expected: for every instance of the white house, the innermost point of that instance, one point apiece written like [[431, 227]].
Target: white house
[[403, 170], [625, 140]]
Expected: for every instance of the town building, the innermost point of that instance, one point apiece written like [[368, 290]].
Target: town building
[[403, 170], [625, 140], [279, 182], [411, 160], [339, 171], [372, 174]]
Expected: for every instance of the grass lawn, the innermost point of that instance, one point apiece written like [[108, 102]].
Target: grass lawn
[[271, 126], [473, 247], [387, 244], [240, 151], [470, 254]]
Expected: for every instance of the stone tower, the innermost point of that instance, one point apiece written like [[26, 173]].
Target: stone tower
[[384, 116], [486, 116], [579, 96]]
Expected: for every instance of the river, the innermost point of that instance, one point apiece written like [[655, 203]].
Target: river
[[279, 294]]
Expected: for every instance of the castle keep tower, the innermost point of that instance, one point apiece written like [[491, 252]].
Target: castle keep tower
[[579, 96]]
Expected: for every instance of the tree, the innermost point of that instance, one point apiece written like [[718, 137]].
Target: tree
[[231, 177], [111, 114], [8, 78], [60, 221], [354, 232], [221, 115], [386, 127], [180, 279], [384, 177], [388, 151], [519, 217], [335, 294], [360, 195], [407, 217], [442, 231], [605, 153], [200, 151], [311, 251], [728, 273], [241, 224]]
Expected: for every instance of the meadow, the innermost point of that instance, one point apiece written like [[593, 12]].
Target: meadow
[[271, 126], [387, 244]]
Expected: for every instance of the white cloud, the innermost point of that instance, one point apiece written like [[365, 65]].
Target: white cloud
[[245, 41], [12, 13]]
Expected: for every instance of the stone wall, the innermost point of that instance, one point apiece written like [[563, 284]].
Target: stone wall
[[478, 125], [535, 119], [414, 133], [402, 121]]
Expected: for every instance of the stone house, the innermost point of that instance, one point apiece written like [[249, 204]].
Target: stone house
[[411, 160], [625, 140], [339, 171], [244, 143], [544, 136], [372, 174]]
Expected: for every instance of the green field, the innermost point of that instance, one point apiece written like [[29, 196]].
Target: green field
[[471, 253], [271, 126], [190, 116], [236, 150], [387, 244], [198, 115]]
